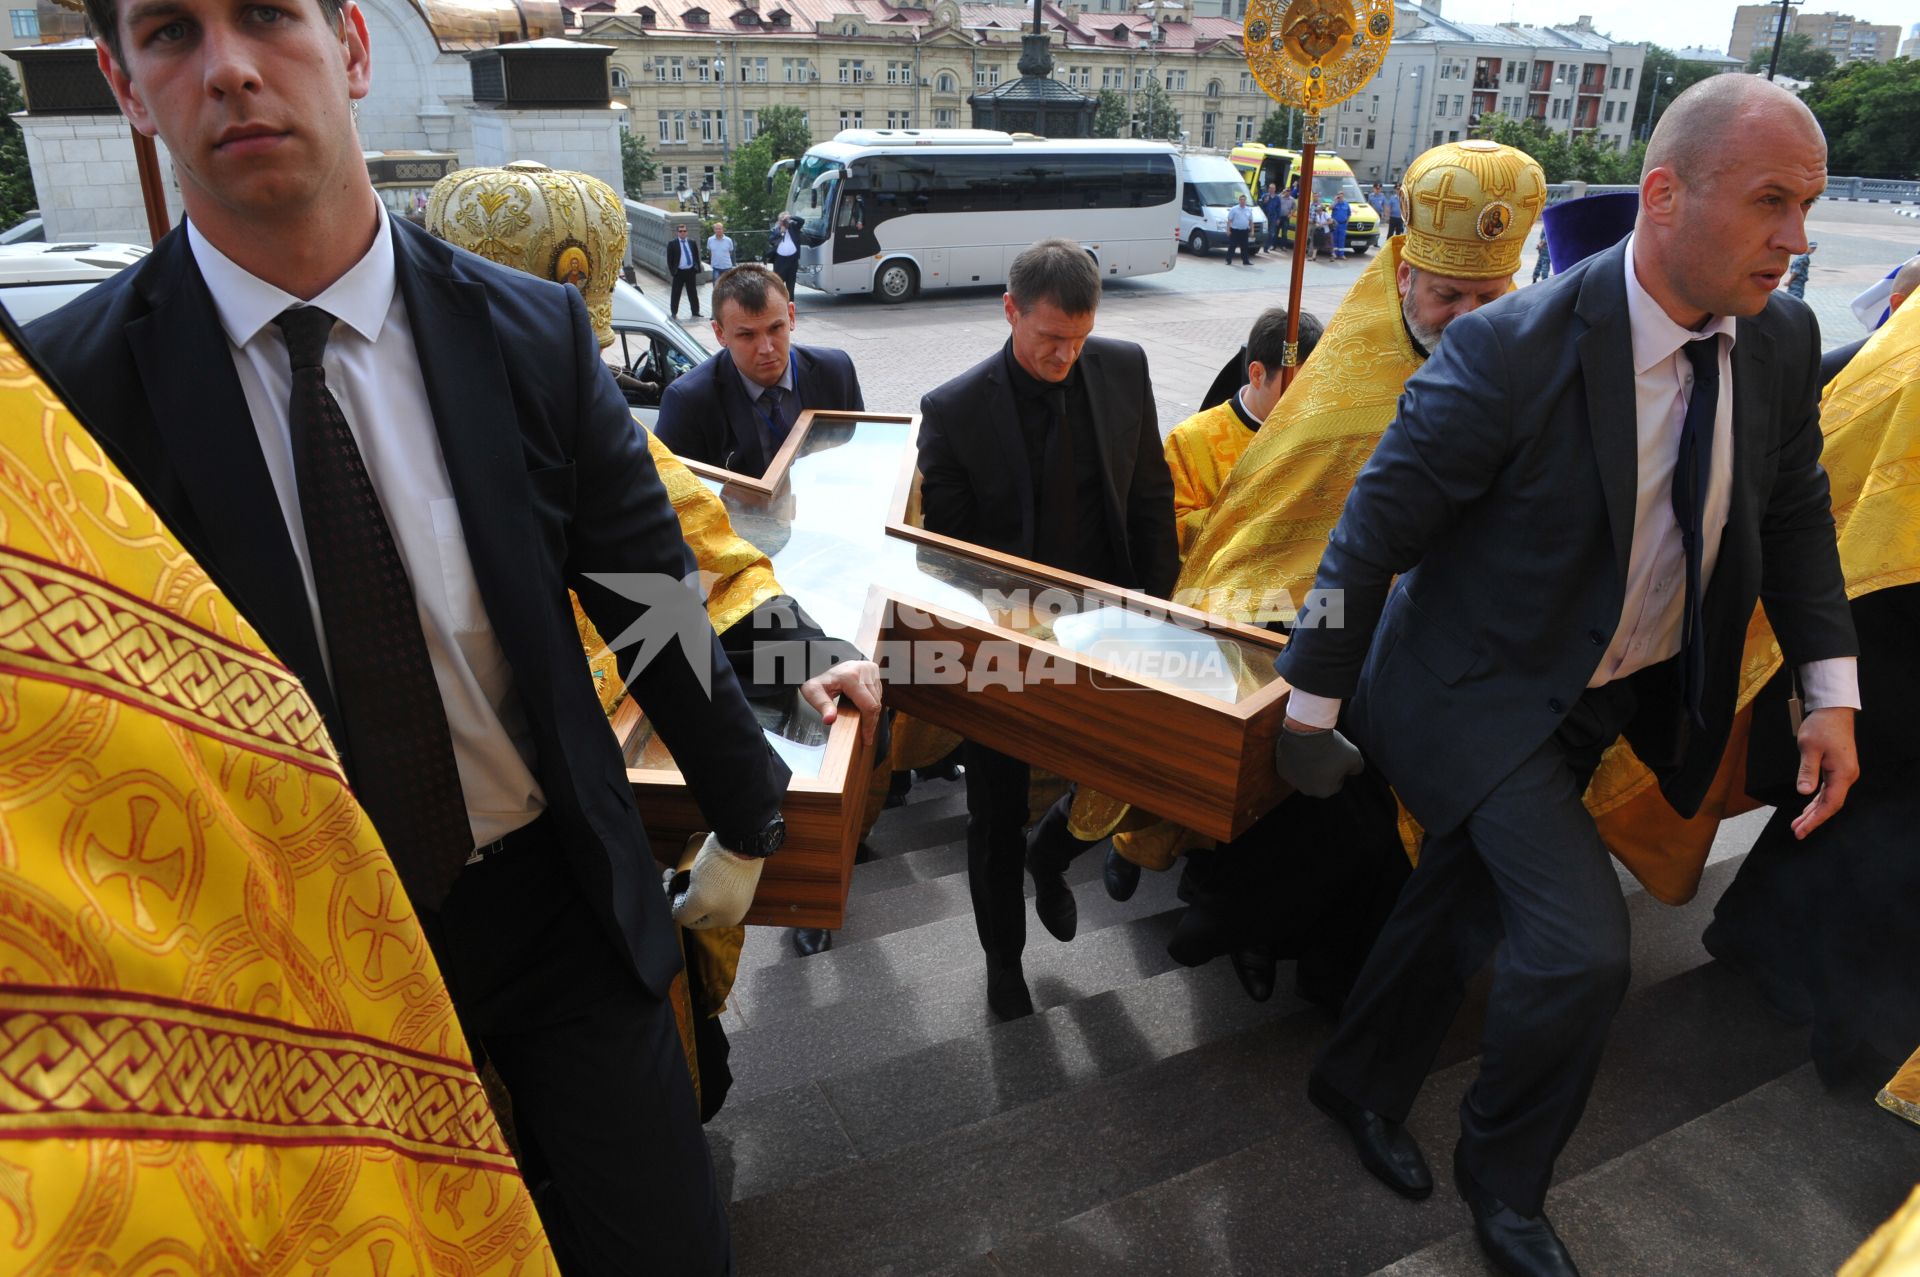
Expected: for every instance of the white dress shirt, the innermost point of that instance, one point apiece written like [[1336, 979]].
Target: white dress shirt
[[373, 371], [1652, 613]]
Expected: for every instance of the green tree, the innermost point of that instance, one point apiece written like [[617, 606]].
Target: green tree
[[637, 166], [1798, 59], [745, 204], [16, 174], [1153, 112], [1564, 159], [1870, 112], [1110, 114], [1667, 75], [1277, 129]]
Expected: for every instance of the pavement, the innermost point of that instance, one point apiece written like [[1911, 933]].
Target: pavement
[[1192, 318]]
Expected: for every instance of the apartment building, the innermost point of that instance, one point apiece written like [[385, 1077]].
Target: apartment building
[[696, 76], [1844, 36]]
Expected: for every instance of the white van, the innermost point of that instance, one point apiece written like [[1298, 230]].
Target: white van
[[1209, 185]]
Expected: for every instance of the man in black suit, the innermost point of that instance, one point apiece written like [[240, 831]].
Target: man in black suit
[[396, 458], [1047, 449], [1560, 540], [1905, 281], [683, 268], [735, 409]]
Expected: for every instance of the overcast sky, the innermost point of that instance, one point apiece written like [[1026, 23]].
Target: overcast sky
[[1673, 23]]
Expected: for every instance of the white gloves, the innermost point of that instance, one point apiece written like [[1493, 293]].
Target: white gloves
[[719, 888]]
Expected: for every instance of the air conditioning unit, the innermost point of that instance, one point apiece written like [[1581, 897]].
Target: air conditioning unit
[[926, 81], [869, 77], [647, 65], [813, 75]]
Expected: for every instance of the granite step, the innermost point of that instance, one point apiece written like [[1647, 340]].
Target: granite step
[[1800, 1176], [896, 939], [779, 1046], [1077, 1139]]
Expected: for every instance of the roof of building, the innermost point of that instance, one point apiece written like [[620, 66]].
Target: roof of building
[[1414, 24], [882, 20], [1699, 53]]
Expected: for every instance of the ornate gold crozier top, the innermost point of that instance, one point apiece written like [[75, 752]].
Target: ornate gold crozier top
[[1311, 54]]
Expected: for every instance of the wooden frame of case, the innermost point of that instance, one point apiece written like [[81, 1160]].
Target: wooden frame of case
[[1191, 758]]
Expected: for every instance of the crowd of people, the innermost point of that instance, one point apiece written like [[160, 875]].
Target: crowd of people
[[1551, 514]]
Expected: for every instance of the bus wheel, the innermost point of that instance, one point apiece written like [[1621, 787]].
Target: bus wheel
[[896, 282], [1197, 244]]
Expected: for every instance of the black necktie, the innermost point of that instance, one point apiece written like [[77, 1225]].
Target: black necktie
[[398, 746], [776, 420], [1691, 472], [1057, 532]]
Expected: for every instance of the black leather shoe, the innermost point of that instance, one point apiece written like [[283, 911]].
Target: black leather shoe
[[1122, 876], [1385, 1147], [1519, 1245], [1007, 994], [1198, 938], [808, 941], [1256, 968], [1053, 901], [898, 786]]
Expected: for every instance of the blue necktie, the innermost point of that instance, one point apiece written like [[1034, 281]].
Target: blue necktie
[[1691, 472], [776, 421]]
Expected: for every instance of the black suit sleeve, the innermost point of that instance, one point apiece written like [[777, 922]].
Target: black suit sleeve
[[946, 494], [1446, 445], [678, 425], [777, 646], [855, 400], [624, 524], [1801, 585], [1151, 533]]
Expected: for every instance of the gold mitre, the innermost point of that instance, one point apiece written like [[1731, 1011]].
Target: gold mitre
[[567, 227], [1469, 207]]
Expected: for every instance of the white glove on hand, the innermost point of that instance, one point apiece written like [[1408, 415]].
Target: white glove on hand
[[719, 888]]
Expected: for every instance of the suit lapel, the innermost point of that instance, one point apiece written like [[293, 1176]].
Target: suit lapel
[[1008, 442], [750, 455], [479, 433], [200, 412], [1752, 365], [1100, 409], [1606, 366]]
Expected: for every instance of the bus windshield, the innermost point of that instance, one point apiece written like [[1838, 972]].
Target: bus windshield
[[810, 207]]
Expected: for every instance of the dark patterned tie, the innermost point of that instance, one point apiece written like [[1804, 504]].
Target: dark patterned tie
[[776, 419], [1691, 473], [398, 748]]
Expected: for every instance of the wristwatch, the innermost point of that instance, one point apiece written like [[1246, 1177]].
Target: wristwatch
[[764, 843]]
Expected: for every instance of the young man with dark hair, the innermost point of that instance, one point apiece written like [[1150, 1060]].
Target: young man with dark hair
[[1202, 449], [292, 379], [1046, 449], [735, 409]]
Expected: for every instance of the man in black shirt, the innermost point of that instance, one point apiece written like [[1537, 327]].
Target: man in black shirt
[[1048, 449]]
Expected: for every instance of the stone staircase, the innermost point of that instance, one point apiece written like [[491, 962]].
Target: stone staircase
[[1152, 1119]]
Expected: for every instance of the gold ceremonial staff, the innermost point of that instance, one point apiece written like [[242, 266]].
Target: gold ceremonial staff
[[1310, 55]]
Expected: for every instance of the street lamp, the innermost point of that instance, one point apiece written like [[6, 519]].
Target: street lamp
[[1654, 105], [720, 82], [1779, 34]]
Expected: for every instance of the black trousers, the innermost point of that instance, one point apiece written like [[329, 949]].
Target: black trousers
[[689, 281], [787, 268], [1527, 879], [603, 1105], [1241, 242]]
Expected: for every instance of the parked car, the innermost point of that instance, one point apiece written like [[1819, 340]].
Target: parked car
[[649, 350], [37, 279]]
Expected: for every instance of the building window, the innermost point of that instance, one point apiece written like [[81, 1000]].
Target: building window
[[852, 120], [673, 128], [852, 70], [26, 24], [1629, 80], [1079, 77], [713, 126], [899, 119], [702, 72], [1246, 82], [1207, 122], [706, 177], [753, 70], [1176, 81], [668, 70], [1613, 81], [796, 70], [945, 82], [1453, 135], [1243, 128], [619, 79], [943, 118], [1370, 135], [673, 179], [986, 77], [1113, 78], [1439, 136], [1139, 77], [749, 125], [1459, 104], [1608, 113], [899, 73]]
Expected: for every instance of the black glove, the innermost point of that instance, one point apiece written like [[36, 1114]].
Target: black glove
[[1315, 763]]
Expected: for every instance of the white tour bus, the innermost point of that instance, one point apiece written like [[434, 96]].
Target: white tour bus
[[894, 211]]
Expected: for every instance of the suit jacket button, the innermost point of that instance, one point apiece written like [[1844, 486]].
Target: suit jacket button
[[1599, 639], [1555, 705]]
